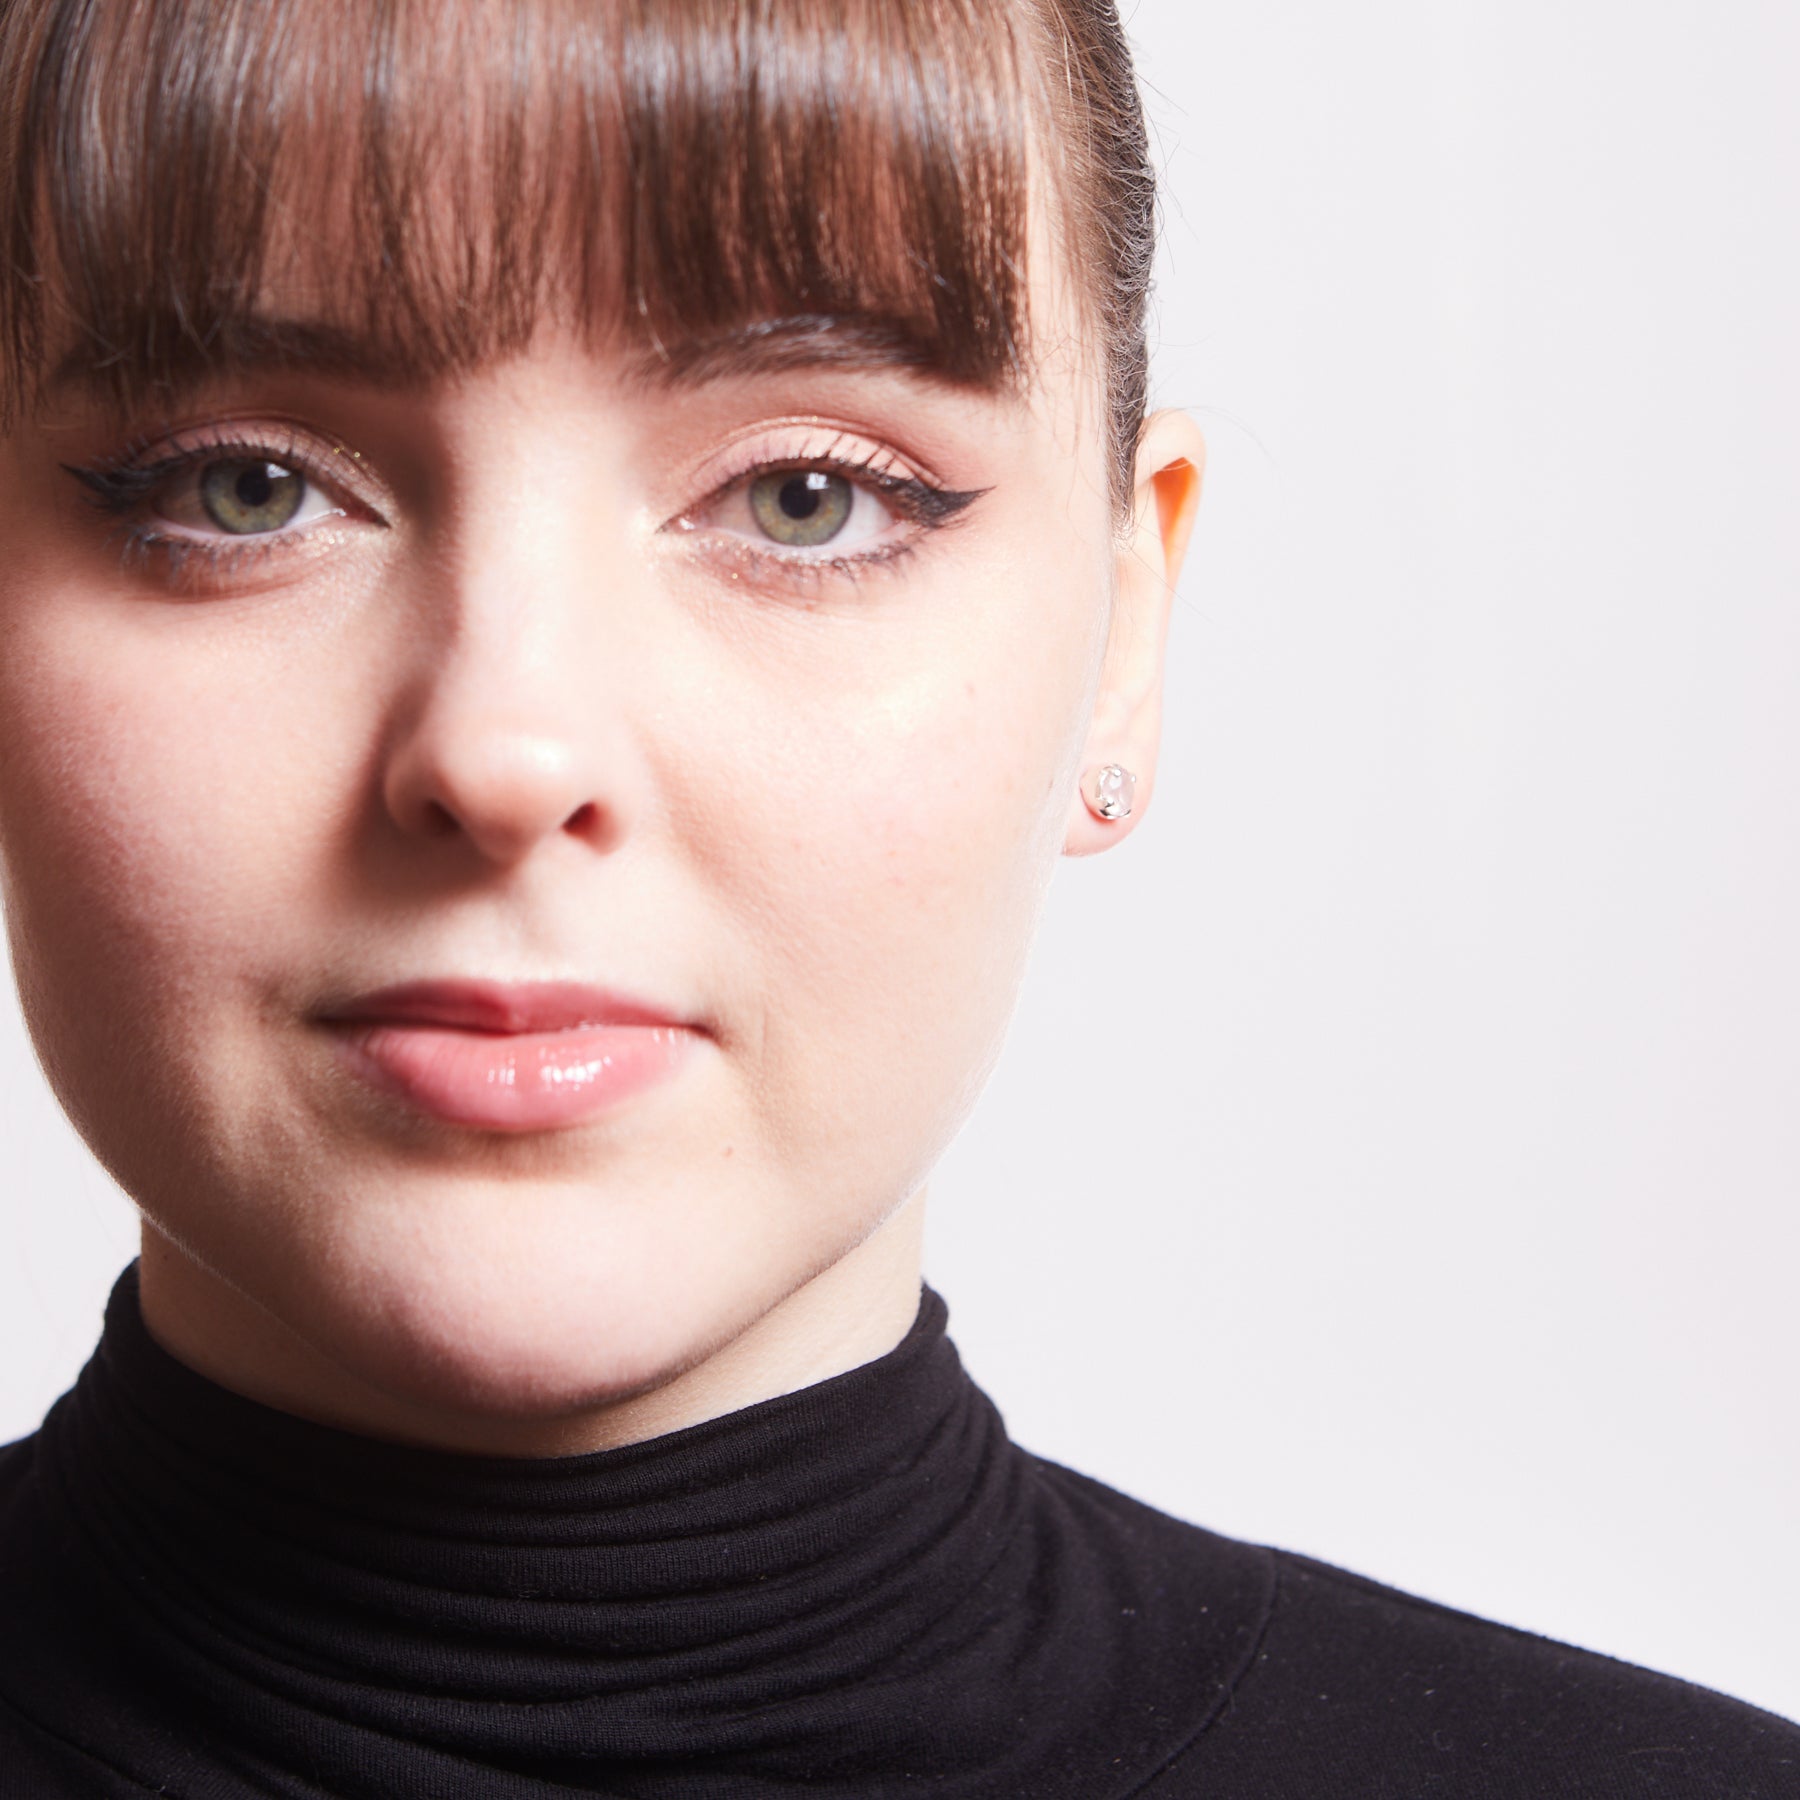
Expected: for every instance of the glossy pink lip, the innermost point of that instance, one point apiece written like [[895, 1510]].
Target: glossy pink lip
[[530, 1056]]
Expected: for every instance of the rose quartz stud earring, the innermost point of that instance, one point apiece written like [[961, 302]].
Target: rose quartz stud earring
[[1108, 792]]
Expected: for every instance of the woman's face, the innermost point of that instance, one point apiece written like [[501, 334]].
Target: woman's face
[[517, 877]]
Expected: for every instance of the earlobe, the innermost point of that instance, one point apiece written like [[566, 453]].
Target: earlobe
[[1126, 723]]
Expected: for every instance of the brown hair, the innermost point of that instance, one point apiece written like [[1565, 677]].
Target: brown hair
[[679, 169]]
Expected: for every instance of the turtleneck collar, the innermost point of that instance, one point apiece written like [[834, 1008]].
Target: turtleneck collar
[[862, 1587]]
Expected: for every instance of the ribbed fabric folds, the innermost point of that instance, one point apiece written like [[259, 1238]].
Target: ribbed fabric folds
[[863, 1588], [862, 1591]]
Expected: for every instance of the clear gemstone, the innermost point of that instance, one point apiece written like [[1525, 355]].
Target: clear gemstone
[[1112, 791]]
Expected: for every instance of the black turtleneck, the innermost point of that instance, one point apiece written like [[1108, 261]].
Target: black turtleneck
[[861, 1589]]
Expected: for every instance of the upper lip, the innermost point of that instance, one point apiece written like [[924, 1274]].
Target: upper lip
[[498, 1006]]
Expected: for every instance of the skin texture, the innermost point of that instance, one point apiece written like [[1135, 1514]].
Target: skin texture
[[526, 703]]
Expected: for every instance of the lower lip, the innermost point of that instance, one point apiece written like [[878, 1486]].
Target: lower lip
[[515, 1081]]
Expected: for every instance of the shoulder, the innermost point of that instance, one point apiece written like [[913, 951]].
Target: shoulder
[[34, 1765], [1357, 1689], [18, 1469], [33, 1762], [21, 1509]]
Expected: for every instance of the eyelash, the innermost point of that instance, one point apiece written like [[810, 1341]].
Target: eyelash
[[119, 486], [921, 503]]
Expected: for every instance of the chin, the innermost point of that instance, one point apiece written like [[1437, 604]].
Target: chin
[[492, 1303], [457, 1332]]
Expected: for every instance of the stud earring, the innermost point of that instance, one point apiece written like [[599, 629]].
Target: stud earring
[[1108, 792]]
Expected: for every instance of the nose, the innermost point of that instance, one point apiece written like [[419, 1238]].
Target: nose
[[508, 734], [504, 786], [521, 642]]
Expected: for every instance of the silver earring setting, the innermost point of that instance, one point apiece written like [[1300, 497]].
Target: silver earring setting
[[1108, 792]]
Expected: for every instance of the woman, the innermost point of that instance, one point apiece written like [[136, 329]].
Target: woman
[[572, 569]]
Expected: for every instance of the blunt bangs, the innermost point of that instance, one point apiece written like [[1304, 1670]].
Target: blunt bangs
[[429, 178]]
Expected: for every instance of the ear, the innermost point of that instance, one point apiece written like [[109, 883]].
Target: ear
[[1126, 727]]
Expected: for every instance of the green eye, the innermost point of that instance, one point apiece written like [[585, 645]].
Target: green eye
[[250, 495], [801, 508]]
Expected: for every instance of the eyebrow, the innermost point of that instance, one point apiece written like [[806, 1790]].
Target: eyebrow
[[858, 342], [235, 345], [850, 342]]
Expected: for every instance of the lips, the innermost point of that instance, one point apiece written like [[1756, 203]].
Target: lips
[[534, 1056]]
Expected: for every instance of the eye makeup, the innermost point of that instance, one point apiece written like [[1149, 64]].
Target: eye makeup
[[802, 504], [262, 491], [792, 505]]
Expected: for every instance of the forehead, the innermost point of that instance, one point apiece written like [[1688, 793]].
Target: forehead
[[420, 182]]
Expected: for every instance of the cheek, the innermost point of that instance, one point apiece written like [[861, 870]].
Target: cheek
[[144, 806], [883, 828]]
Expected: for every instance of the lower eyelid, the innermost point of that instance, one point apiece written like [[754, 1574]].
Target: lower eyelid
[[216, 557], [751, 565]]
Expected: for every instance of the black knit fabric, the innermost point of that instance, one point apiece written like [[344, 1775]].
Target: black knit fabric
[[862, 1589]]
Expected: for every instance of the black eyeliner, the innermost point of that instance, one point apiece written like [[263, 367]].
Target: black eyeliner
[[117, 488], [119, 482]]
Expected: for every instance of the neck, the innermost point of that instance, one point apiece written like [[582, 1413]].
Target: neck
[[849, 1314]]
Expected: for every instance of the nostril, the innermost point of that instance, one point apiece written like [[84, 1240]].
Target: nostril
[[502, 791]]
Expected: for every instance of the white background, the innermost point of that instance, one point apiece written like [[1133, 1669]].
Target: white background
[[1395, 1157]]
